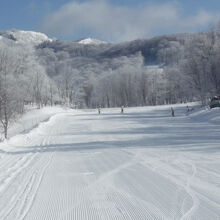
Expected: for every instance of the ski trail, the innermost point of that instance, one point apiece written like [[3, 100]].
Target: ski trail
[[15, 171], [73, 167], [195, 200], [31, 195], [117, 169], [22, 199]]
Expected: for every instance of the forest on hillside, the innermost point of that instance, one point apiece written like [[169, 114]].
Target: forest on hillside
[[162, 70]]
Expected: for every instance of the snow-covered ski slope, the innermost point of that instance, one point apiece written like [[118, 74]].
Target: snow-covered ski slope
[[143, 164]]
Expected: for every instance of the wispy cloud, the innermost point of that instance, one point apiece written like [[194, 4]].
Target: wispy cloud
[[119, 23]]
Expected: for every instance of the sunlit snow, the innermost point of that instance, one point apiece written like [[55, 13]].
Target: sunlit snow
[[91, 41], [143, 164], [29, 37]]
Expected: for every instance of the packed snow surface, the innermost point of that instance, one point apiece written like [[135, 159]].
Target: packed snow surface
[[143, 164]]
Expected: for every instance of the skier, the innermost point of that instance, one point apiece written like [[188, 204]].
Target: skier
[[99, 110], [122, 109], [172, 111], [187, 108]]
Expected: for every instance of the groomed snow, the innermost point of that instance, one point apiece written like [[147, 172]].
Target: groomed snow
[[143, 164]]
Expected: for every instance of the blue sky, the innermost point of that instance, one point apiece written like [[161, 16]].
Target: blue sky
[[110, 20]]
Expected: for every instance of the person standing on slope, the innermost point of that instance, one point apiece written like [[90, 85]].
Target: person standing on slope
[[172, 112], [122, 109]]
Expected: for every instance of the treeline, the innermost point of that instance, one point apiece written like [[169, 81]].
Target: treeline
[[22, 81], [113, 74], [185, 72], [169, 69]]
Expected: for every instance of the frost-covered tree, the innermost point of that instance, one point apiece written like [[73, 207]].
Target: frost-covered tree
[[12, 68], [22, 80]]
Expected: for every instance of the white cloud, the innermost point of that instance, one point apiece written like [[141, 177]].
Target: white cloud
[[118, 23]]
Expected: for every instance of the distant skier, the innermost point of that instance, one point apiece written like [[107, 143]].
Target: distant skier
[[187, 107], [122, 109], [99, 110], [172, 112]]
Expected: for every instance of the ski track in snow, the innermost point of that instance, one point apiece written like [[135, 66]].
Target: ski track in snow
[[141, 165]]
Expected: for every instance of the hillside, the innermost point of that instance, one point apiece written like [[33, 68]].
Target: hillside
[[25, 37], [91, 73], [151, 49]]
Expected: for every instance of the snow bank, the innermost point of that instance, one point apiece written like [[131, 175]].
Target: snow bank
[[208, 115], [31, 119]]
